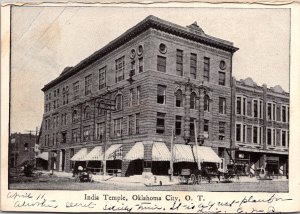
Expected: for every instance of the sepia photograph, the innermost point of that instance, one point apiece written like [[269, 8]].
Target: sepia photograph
[[100, 101], [150, 109]]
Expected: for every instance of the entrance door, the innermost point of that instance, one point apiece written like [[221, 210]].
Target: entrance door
[[63, 159]]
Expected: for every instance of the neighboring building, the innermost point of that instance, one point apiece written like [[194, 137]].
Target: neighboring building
[[157, 75], [261, 117], [21, 148]]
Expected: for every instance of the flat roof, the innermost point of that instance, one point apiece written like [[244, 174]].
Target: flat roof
[[148, 22]]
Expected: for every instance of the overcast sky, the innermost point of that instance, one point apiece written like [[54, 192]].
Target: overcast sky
[[47, 39]]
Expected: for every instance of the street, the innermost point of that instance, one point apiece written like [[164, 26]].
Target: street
[[63, 183]]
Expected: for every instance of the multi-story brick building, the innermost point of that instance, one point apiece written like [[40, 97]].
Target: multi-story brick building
[[121, 103], [261, 127], [21, 148]]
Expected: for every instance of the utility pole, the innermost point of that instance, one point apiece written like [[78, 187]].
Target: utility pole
[[172, 155], [196, 143]]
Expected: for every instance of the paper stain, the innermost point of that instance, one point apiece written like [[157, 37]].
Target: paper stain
[[50, 36]]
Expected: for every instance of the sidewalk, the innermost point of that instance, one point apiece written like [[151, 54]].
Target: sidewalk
[[155, 180]]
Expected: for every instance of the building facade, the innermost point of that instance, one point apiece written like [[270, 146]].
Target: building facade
[[22, 147], [118, 109], [261, 116]]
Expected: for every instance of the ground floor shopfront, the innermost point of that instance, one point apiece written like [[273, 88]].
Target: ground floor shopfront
[[134, 158], [254, 162]]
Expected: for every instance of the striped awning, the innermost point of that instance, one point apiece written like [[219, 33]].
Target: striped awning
[[160, 152], [80, 155], [136, 152], [111, 153], [206, 154], [95, 154], [185, 153], [182, 153], [44, 156]]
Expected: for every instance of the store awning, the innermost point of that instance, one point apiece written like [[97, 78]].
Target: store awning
[[206, 154], [44, 156], [182, 153], [111, 153], [160, 152], [80, 155], [95, 154], [136, 152]]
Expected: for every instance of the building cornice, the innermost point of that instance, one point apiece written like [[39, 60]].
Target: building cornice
[[149, 22]]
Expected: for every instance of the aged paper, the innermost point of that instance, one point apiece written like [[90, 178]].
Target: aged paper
[[100, 103]]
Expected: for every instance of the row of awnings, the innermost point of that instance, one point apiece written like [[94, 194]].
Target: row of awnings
[[160, 152]]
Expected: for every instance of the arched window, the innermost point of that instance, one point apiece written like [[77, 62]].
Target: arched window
[[100, 108], [206, 103], [87, 113], [179, 98], [74, 116], [119, 101], [193, 101]]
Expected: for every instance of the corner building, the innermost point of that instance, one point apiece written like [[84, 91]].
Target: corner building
[[261, 127], [122, 102]]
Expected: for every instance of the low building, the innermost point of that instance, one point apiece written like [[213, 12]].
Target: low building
[[261, 117], [21, 148]]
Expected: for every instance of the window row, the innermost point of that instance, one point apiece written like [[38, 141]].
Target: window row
[[160, 126], [246, 133], [179, 99], [254, 108], [162, 67]]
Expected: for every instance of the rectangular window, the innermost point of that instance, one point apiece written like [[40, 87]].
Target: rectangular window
[[141, 64], [133, 67], [161, 94], [260, 109], [255, 108], [206, 69], [239, 105], [76, 90], [178, 125], [283, 138], [244, 133], [269, 110], [192, 128], [64, 137], [88, 85], [137, 123], [118, 127], [160, 123], [255, 134], [102, 78], [222, 78], [206, 126], [222, 130], [75, 136], [161, 63], [179, 62], [86, 133], [193, 66], [269, 136], [283, 113], [138, 95], [130, 97], [249, 133], [120, 66], [130, 124], [100, 132], [222, 105], [238, 132]]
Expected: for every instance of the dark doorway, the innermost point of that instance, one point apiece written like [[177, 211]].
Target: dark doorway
[[135, 167], [160, 167], [63, 161]]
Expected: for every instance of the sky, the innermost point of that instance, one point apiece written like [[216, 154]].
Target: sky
[[45, 40]]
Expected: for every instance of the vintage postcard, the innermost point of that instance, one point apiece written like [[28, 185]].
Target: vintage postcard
[[171, 108]]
